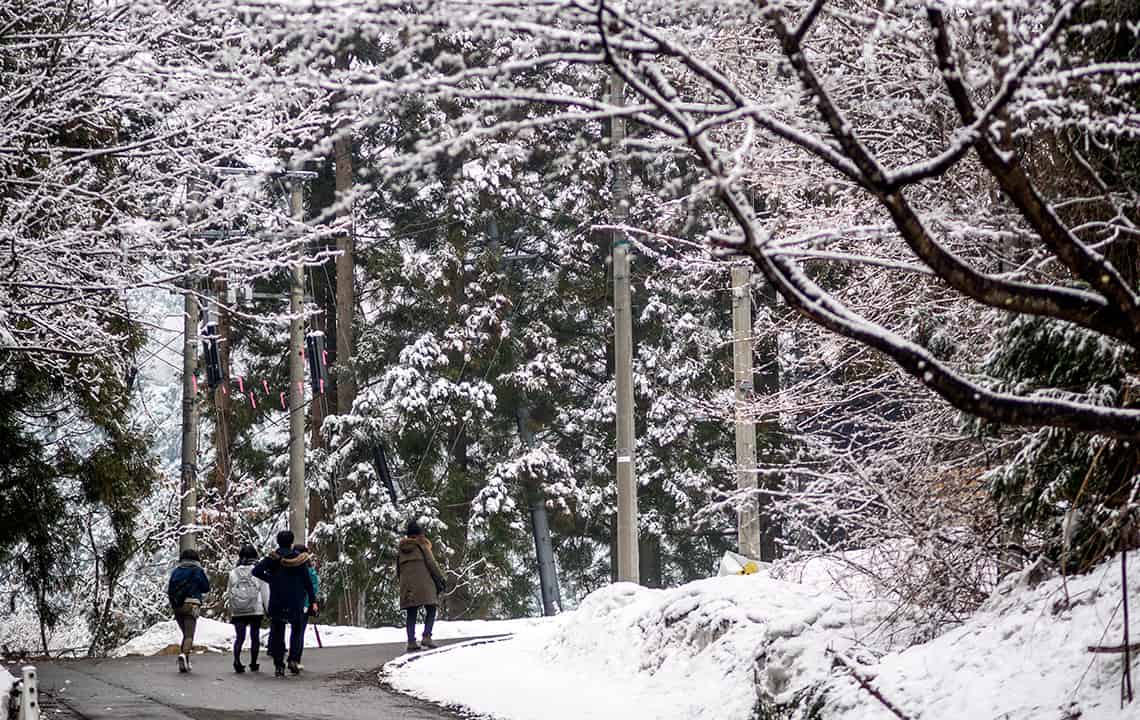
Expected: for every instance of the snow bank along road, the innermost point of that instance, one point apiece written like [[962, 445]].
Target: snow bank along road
[[338, 683]]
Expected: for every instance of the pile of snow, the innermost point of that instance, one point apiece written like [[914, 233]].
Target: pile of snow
[[1023, 655], [6, 681], [217, 636], [741, 647], [727, 648]]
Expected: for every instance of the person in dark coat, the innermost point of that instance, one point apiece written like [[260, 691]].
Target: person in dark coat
[[291, 595], [421, 581], [188, 583]]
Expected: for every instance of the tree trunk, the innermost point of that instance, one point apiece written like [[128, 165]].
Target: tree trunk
[[316, 441], [649, 560], [539, 523]]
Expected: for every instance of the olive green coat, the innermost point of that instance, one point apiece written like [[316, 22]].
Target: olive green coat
[[415, 569]]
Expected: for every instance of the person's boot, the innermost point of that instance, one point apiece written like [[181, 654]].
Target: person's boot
[[428, 643], [295, 667], [182, 666], [254, 667], [413, 646], [238, 667], [278, 670]]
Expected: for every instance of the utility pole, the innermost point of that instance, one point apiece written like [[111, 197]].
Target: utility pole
[[748, 512], [222, 392], [298, 505], [627, 550], [345, 290], [188, 509]]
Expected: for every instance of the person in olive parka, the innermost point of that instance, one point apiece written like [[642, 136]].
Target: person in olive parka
[[291, 595], [421, 581]]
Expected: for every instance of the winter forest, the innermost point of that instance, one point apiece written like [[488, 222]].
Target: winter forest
[[936, 202]]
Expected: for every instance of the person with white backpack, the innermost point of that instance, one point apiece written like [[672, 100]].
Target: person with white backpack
[[248, 600]]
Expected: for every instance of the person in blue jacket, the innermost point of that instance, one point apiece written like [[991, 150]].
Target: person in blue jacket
[[188, 583], [291, 596]]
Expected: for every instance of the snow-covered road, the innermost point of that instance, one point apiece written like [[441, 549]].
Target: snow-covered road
[[337, 684]]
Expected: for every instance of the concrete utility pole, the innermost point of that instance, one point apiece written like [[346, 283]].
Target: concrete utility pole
[[298, 503], [627, 555], [748, 514], [187, 518]]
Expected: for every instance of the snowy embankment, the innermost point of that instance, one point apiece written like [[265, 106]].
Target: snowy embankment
[[748, 647], [728, 648], [218, 636]]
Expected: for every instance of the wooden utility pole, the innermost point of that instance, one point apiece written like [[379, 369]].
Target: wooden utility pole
[[627, 550], [222, 392], [298, 504], [748, 512], [188, 508], [345, 290]]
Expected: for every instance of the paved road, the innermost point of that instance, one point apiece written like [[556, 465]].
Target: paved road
[[337, 684]]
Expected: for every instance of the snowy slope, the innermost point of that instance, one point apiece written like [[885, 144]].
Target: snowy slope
[[738, 648], [1023, 655], [717, 649]]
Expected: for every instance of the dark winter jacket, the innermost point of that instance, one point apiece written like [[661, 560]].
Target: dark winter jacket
[[188, 582], [291, 590], [415, 566]]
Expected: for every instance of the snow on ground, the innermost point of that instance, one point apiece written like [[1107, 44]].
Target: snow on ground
[[743, 647], [1023, 655], [215, 635], [6, 681], [697, 652]]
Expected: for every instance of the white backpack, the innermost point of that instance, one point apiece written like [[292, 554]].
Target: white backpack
[[245, 593]]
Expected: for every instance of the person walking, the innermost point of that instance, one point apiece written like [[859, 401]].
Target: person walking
[[421, 581], [188, 583], [312, 567], [249, 601], [291, 595]]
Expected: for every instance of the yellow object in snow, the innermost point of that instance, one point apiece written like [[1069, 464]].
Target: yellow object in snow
[[736, 564]]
